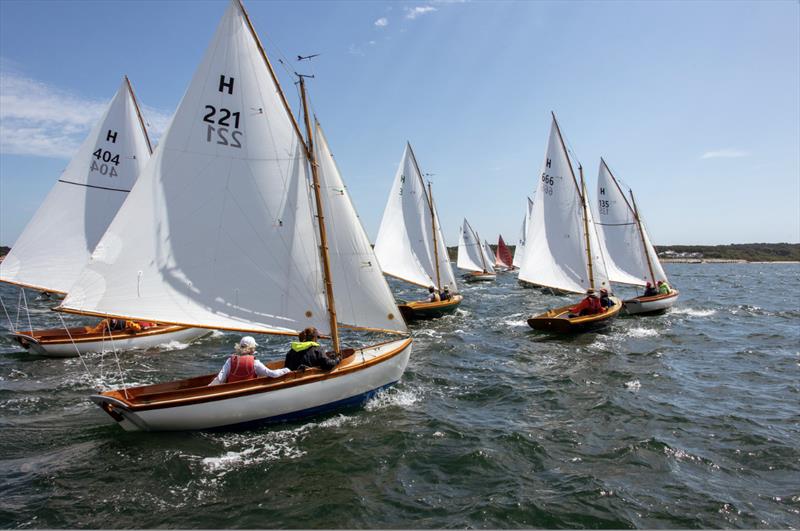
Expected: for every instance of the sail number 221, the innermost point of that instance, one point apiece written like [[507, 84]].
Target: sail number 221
[[225, 120]]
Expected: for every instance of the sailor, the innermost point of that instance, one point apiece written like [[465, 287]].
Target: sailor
[[663, 288], [445, 294], [307, 353], [590, 305], [605, 301], [434, 296], [649, 290], [242, 365]]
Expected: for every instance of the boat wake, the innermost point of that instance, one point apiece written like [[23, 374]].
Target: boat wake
[[641, 332], [393, 397], [692, 312]]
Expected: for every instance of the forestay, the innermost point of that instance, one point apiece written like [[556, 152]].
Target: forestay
[[219, 231], [556, 244], [519, 252], [58, 241], [405, 243], [363, 298], [471, 255], [624, 244]]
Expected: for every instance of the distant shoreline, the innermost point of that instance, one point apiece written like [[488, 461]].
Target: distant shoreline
[[723, 261]]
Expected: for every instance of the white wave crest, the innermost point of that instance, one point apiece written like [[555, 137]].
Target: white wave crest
[[393, 397], [692, 312], [633, 385], [641, 332]]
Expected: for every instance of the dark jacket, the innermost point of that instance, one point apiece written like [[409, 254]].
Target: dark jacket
[[309, 355]]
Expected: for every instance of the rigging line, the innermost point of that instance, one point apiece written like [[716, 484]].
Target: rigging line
[[30, 325], [613, 224], [76, 348], [121, 375], [19, 305], [10, 324]]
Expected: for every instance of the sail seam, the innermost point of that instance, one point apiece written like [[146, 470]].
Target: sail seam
[[94, 186]]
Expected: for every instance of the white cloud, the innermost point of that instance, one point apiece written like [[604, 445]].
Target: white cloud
[[412, 13], [382, 22], [725, 154], [40, 120]]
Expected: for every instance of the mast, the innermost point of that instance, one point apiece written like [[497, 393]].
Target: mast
[[323, 236], [433, 229], [480, 247], [586, 228], [139, 114], [582, 193], [641, 235]]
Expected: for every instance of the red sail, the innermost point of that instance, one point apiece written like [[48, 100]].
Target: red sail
[[503, 256]]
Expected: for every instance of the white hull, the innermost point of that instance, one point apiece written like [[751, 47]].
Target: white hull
[[132, 342], [480, 277], [641, 305], [209, 409]]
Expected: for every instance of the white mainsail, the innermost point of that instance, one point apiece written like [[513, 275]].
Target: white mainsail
[[58, 241], [218, 232], [630, 257], [405, 242], [519, 252], [556, 244], [488, 255], [363, 298], [471, 255]]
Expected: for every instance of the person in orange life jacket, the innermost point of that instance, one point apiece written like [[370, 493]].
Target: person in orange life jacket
[[307, 353], [242, 365], [588, 306], [116, 325], [649, 290], [434, 296]]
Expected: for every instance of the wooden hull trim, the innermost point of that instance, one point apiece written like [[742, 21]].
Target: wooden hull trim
[[651, 305], [192, 405], [556, 320], [423, 310], [56, 342]]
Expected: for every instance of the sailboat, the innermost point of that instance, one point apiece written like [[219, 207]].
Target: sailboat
[[410, 245], [630, 257], [562, 251], [473, 257], [57, 243], [503, 260], [519, 251], [240, 223]]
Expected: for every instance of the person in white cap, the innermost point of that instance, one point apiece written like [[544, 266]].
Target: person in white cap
[[243, 365]]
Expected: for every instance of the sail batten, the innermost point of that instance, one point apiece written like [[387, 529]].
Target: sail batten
[[79, 208], [410, 244]]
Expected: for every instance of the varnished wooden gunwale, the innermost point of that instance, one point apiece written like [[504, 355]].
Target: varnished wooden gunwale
[[653, 298], [562, 324], [196, 390], [80, 335], [425, 309]]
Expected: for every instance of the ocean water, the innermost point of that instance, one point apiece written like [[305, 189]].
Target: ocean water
[[685, 420]]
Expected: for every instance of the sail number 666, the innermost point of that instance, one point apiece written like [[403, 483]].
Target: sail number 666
[[223, 118]]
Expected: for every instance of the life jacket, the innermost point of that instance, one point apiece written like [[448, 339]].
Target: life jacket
[[242, 368], [300, 346]]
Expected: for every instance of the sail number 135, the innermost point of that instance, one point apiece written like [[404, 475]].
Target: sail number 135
[[226, 132]]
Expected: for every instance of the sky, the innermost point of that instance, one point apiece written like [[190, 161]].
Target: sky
[[695, 105]]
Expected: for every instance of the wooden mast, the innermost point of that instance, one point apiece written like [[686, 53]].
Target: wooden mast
[[586, 228], [480, 247], [435, 243], [139, 114], [323, 236], [582, 193], [641, 235]]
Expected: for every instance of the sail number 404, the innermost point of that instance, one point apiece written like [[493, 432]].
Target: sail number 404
[[104, 161], [225, 120]]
